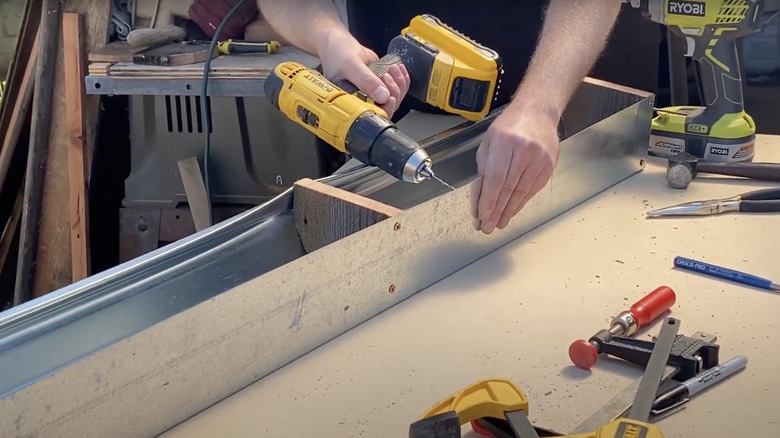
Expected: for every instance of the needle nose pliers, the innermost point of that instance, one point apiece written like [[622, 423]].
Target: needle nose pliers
[[758, 201]]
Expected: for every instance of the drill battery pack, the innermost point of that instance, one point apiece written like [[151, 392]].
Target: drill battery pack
[[447, 69]]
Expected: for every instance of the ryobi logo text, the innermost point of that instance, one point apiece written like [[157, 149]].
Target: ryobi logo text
[[319, 82], [718, 151], [694, 9]]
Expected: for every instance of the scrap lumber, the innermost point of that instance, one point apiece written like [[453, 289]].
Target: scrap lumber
[[18, 107], [18, 94], [23, 57], [75, 91], [38, 152], [325, 214], [197, 196], [45, 256]]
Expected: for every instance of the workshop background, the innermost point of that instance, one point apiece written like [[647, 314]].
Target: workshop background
[[137, 143]]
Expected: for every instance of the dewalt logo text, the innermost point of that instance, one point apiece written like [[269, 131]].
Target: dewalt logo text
[[692, 9], [319, 83], [627, 430]]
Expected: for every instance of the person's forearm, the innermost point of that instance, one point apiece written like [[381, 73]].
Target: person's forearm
[[573, 36], [306, 24]]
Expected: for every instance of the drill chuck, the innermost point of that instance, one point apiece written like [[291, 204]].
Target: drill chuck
[[374, 140]]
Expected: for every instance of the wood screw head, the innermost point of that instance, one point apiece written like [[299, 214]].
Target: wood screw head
[[397, 226], [392, 288]]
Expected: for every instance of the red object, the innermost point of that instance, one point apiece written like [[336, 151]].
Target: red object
[[208, 14], [583, 354], [479, 430], [653, 305]]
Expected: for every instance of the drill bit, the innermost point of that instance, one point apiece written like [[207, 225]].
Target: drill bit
[[427, 172]]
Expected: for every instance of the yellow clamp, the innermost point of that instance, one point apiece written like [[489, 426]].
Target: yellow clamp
[[489, 398]]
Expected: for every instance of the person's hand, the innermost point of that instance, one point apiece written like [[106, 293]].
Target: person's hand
[[516, 159], [343, 57]]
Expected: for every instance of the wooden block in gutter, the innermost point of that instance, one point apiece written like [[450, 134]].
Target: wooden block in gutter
[[325, 214]]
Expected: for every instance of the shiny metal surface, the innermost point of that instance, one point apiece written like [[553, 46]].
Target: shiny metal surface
[[52, 332], [627, 322], [698, 208], [416, 165], [618, 406], [648, 386]]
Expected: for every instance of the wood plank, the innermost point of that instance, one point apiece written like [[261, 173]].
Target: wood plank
[[251, 62], [195, 188], [53, 267], [38, 152], [6, 239], [20, 63], [99, 68], [72, 33], [176, 54], [325, 214], [21, 106], [117, 51]]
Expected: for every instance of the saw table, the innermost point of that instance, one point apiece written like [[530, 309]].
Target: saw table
[[514, 313]]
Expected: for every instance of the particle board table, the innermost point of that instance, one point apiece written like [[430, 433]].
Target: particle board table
[[514, 313]]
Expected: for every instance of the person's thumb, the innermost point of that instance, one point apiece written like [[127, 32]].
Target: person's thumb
[[367, 82]]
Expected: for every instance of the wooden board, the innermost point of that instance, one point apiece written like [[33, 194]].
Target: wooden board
[[195, 189], [256, 63], [174, 54], [72, 34], [117, 51], [19, 66], [20, 107], [325, 214], [38, 159], [53, 266]]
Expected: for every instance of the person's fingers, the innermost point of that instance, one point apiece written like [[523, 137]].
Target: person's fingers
[[517, 168], [395, 91], [366, 81], [390, 107], [482, 153], [395, 71], [407, 78], [531, 182], [495, 172]]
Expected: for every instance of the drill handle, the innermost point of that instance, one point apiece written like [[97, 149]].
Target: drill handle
[[379, 68], [720, 74]]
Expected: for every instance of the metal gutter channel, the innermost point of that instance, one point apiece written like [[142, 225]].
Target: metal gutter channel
[[51, 332], [48, 334]]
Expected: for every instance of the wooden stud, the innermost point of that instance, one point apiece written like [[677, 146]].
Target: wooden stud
[[325, 214], [74, 63], [195, 189], [39, 150]]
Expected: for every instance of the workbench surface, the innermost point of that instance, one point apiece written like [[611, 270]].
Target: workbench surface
[[514, 313]]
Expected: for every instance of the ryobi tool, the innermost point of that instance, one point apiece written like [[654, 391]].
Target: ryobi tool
[[446, 70], [720, 131]]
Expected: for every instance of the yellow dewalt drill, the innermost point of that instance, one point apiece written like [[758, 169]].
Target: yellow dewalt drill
[[447, 70], [720, 131]]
